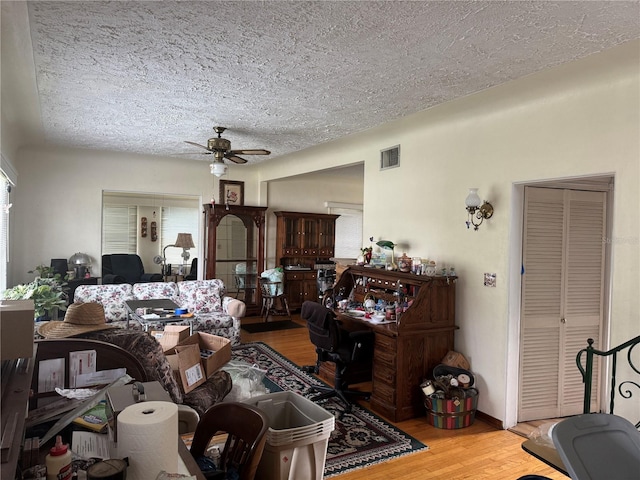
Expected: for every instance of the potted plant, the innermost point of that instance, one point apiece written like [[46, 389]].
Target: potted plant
[[47, 291]]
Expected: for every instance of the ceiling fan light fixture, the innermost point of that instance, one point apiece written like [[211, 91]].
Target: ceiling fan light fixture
[[218, 169]]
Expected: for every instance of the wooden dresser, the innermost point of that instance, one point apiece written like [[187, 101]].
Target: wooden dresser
[[405, 352]]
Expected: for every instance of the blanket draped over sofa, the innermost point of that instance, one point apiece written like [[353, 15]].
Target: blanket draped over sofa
[[155, 363]]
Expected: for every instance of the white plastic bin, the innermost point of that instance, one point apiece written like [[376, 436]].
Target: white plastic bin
[[297, 438]]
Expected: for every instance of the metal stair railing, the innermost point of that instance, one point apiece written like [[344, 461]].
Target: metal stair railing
[[623, 388]]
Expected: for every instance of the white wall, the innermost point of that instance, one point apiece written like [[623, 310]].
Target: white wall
[[575, 120], [308, 193], [58, 200]]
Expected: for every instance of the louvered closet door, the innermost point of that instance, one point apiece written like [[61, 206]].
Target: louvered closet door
[[562, 297]]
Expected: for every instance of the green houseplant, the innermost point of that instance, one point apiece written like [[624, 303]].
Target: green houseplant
[[47, 291]]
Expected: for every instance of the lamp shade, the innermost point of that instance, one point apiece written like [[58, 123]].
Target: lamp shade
[[218, 169], [184, 240], [473, 200], [80, 259]]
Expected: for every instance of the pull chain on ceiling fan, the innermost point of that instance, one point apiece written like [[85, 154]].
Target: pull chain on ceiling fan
[[221, 150]]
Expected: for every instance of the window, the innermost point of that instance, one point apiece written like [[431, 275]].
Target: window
[[119, 229], [177, 220], [348, 232]]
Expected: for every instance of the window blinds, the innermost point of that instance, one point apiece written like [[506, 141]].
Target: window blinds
[[178, 220], [119, 227]]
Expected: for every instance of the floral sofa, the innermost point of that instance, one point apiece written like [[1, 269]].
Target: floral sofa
[[215, 312]]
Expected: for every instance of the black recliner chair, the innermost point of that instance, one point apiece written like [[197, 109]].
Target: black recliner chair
[[126, 268], [336, 345]]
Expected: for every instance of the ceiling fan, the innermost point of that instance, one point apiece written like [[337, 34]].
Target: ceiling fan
[[221, 148]]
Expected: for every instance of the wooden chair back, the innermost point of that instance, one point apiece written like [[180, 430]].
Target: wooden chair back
[[246, 427]]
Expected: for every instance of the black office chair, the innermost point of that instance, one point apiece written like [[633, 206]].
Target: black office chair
[[335, 345]]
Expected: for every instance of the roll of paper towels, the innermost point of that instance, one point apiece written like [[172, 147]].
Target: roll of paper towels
[[148, 436]]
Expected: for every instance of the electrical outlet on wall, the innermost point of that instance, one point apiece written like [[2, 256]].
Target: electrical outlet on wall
[[489, 279]]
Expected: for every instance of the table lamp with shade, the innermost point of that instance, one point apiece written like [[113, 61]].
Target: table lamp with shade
[[184, 241], [81, 264]]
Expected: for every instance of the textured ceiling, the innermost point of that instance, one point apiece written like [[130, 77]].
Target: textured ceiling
[[145, 76]]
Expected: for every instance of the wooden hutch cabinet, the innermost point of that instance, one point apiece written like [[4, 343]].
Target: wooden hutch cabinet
[[234, 239], [405, 352], [302, 240]]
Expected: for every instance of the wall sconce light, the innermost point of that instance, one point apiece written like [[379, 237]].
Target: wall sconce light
[[218, 169], [477, 209]]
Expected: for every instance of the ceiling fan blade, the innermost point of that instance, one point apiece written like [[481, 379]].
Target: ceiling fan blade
[[197, 145], [250, 152], [234, 158], [191, 153]]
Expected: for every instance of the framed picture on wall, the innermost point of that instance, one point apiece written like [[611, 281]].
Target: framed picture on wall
[[231, 192]]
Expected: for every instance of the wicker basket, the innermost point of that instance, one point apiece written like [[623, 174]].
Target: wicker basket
[[452, 413]]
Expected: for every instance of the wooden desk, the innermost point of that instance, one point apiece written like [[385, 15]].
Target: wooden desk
[[188, 461], [406, 352], [548, 455], [16, 378]]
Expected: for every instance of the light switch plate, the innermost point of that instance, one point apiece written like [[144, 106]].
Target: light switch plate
[[489, 279]]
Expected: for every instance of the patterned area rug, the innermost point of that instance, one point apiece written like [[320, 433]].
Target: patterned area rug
[[360, 438]]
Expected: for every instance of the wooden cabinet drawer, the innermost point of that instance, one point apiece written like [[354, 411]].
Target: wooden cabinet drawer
[[383, 393], [384, 357], [383, 283], [300, 275], [384, 374], [384, 353], [385, 342]]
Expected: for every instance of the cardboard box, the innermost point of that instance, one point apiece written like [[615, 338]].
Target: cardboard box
[[171, 336], [16, 329], [216, 351], [187, 366]]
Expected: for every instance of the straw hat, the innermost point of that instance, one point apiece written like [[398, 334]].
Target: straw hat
[[80, 318]]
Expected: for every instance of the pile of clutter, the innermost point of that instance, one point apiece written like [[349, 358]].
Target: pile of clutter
[[451, 399]]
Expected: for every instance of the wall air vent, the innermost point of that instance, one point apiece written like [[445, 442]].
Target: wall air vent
[[390, 158]]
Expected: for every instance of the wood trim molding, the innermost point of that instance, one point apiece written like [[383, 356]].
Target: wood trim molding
[[494, 422]]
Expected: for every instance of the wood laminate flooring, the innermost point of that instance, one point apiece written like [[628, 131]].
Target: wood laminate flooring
[[476, 452]]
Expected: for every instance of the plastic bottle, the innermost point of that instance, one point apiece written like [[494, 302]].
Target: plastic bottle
[[58, 461]]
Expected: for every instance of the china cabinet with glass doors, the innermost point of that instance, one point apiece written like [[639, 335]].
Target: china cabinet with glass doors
[[234, 239]]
